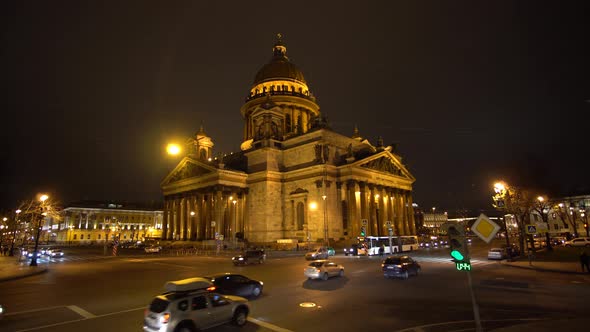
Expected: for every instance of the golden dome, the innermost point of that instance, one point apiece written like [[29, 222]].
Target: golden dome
[[279, 67]]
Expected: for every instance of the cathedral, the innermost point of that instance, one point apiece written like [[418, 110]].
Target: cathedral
[[295, 179]]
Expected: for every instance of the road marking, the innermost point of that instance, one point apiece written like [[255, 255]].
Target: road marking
[[421, 327], [81, 311], [177, 265], [576, 282], [267, 325], [32, 310], [75, 320]]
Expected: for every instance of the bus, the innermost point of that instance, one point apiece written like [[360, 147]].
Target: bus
[[370, 245]]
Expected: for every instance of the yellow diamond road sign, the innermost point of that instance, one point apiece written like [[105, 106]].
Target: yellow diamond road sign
[[485, 228]]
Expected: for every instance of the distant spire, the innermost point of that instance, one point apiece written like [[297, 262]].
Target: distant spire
[[355, 133], [201, 130], [380, 142]]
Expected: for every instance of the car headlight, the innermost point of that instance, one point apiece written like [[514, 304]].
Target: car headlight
[[241, 259]]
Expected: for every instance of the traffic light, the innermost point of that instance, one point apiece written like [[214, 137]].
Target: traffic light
[[363, 231], [457, 242]]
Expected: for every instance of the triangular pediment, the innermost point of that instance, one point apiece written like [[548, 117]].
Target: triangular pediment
[[186, 169], [385, 162]]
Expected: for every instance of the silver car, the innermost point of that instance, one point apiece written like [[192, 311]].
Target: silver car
[[319, 253], [192, 305], [323, 269]]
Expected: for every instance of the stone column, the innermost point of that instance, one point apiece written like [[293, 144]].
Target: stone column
[[363, 205], [353, 222], [411, 214], [405, 214], [382, 211], [373, 222], [397, 202], [182, 219], [218, 204]]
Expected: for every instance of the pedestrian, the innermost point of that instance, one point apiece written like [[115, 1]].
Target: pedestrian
[[585, 261], [381, 250]]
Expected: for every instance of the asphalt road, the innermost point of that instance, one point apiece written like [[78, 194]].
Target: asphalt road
[[111, 294]]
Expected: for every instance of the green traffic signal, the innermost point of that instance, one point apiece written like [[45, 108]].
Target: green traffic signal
[[457, 255]]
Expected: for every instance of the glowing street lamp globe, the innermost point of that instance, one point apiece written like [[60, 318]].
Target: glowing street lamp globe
[[173, 149]]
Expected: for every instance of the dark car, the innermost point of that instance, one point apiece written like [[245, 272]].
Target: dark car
[[250, 257], [236, 284], [400, 267]]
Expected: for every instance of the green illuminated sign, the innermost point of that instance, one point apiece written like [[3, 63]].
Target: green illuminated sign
[[457, 255], [463, 266]]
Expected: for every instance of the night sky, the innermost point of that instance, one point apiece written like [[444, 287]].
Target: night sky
[[470, 91]]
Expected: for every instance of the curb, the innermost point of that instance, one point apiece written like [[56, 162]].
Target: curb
[[540, 269], [23, 274]]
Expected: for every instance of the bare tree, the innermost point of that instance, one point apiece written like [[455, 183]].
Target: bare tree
[[568, 215], [518, 202], [542, 206]]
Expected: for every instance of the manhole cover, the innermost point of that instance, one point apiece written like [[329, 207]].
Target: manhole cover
[[307, 305]]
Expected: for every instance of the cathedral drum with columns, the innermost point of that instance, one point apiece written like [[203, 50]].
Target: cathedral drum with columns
[[294, 178]]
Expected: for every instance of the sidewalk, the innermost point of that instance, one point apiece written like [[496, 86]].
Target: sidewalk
[[11, 268], [542, 266]]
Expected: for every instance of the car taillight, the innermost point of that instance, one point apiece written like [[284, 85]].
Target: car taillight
[[165, 318], [398, 266], [212, 288]]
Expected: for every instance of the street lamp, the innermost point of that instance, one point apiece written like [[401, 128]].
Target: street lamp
[[325, 224], [17, 212], [71, 229], [235, 224], [312, 206], [543, 209], [42, 199]]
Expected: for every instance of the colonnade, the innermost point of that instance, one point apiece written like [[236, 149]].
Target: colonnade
[[202, 214], [377, 205]]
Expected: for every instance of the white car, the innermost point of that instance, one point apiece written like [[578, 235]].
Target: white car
[[55, 253], [153, 249], [578, 242], [497, 253]]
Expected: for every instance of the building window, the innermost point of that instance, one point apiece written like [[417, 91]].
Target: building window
[[99, 236], [300, 216], [88, 236], [75, 236], [555, 226], [344, 215], [565, 225]]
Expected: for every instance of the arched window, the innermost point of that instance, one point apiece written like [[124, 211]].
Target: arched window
[[300, 216]]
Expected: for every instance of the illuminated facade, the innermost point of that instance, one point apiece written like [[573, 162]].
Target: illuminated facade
[[294, 177], [93, 222]]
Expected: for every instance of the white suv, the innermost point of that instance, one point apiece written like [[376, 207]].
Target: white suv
[[192, 305], [578, 242]]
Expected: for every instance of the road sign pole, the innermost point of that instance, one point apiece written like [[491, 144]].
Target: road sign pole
[[478, 327]]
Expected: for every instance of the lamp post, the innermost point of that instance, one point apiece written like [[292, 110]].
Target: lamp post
[[583, 215], [71, 230], [543, 209], [38, 224], [433, 221], [326, 241], [312, 206], [235, 224], [2, 227], [17, 212]]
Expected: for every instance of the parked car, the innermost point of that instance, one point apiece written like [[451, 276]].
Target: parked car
[[498, 253], [400, 267], [153, 249], [578, 242], [558, 241], [319, 253], [323, 269], [249, 257], [188, 305], [236, 284]]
